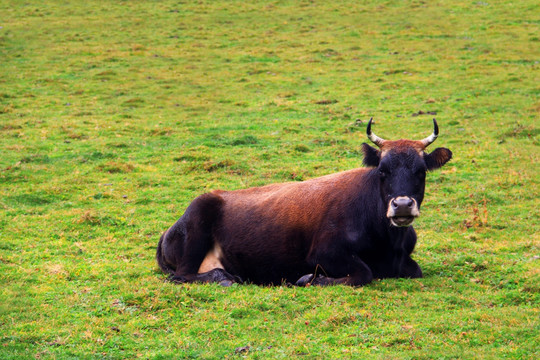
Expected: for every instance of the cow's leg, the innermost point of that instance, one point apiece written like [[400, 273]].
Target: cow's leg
[[410, 269], [346, 269], [397, 262], [213, 276]]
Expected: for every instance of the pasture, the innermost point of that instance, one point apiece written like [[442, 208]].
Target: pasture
[[115, 115]]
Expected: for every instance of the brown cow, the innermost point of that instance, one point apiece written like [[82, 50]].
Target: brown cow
[[344, 228]]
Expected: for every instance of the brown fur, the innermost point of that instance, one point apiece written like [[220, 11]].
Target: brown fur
[[401, 145], [300, 204]]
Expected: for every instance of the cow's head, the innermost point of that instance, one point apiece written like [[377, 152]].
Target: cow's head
[[401, 169]]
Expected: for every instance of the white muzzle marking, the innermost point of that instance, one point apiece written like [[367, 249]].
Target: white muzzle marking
[[401, 215]]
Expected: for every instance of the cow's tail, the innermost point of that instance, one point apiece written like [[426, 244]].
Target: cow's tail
[[160, 258]]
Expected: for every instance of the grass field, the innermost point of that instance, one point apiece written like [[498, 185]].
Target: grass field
[[115, 115]]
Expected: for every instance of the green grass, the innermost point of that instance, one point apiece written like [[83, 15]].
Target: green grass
[[115, 115]]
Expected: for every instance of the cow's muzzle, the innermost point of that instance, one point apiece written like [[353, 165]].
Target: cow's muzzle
[[402, 211]]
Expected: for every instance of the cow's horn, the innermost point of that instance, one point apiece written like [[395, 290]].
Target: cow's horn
[[374, 138], [431, 138]]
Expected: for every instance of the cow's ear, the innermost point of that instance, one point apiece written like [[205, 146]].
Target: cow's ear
[[372, 156], [437, 158]]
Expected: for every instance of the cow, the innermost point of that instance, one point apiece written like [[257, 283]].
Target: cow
[[345, 228]]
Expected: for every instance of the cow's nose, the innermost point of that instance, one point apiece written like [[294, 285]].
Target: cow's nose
[[402, 205]]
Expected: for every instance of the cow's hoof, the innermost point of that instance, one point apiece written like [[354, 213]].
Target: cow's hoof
[[226, 283], [323, 281], [177, 279], [305, 280]]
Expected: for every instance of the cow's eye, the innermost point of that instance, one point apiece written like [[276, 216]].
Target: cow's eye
[[383, 173]]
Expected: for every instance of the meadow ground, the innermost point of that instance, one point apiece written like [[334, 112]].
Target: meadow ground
[[115, 115]]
